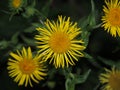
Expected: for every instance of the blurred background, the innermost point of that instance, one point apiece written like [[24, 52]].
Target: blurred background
[[20, 31]]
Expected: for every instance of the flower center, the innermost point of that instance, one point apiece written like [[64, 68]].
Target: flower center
[[59, 42], [16, 3], [114, 81], [27, 66], [114, 16]]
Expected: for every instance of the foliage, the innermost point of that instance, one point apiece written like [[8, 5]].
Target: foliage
[[18, 29]]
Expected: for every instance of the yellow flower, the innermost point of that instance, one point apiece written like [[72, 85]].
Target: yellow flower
[[111, 19], [110, 79], [24, 67], [58, 41], [16, 4]]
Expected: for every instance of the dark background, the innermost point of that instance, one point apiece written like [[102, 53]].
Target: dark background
[[100, 42]]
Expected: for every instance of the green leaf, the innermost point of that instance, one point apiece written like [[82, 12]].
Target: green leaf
[[27, 40], [14, 38], [30, 10], [92, 60], [29, 29], [4, 44], [92, 17], [36, 25], [81, 78], [73, 79], [83, 22], [88, 22], [85, 37], [109, 62]]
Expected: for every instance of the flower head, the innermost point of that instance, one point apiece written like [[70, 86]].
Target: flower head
[[58, 41], [24, 67], [16, 4], [111, 79], [111, 19]]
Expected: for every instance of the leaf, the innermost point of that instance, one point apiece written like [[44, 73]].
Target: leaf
[[36, 25], [92, 60], [92, 17], [73, 79], [30, 10], [81, 78], [83, 22], [29, 41], [29, 29], [14, 38], [109, 62], [85, 37], [88, 22], [4, 44]]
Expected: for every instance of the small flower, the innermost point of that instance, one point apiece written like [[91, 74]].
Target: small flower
[[16, 5], [110, 79], [111, 19], [58, 41], [24, 67]]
